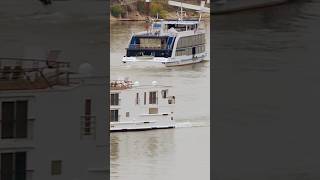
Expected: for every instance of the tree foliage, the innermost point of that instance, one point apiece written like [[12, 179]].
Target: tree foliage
[[117, 10]]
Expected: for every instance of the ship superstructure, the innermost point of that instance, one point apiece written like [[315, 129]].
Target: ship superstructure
[[52, 125], [140, 107]]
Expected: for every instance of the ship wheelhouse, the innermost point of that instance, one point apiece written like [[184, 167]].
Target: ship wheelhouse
[[150, 45]]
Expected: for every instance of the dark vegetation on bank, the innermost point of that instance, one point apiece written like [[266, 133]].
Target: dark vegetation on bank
[[137, 9]]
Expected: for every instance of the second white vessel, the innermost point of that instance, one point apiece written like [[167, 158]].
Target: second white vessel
[[140, 107]]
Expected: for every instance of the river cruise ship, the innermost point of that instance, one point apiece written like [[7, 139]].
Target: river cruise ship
[[168, 43], [52, 125], [140, 107]]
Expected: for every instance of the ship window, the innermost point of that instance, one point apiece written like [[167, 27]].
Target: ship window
[[153, 110], [87, 117], [14, 117], [13, 165], [127, 114], [114, 115], [145, 98], [56, 167], [196, 41], [180, 52], [189, 51], [153, 97], [137, 98], [189, 41], [150, 43], [114, 99], [164, 93]]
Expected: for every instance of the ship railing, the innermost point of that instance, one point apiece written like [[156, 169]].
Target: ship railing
[[33, 63], [17, 130], [18, 73], [88, 126], [120, 85], [138, 46]]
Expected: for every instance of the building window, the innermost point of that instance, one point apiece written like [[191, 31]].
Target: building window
[[145, 98], [137, 98], [171, 100], [127, 114], [56, 167], [13, 166], [114, 99], [87, 117], [14, 119], [153, 97], [114, 115], [153, 110], [164, 93]]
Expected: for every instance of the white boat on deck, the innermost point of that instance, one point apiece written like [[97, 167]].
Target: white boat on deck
[[140, 107], [168, 42]]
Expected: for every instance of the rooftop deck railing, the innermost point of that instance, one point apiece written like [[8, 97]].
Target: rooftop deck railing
[[19, 73], [120, 85], [88, 126]]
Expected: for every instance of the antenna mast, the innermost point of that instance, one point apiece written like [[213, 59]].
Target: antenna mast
[[180, 15], [181, 11]]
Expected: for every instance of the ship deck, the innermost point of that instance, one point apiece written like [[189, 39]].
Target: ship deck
[[29, 74]]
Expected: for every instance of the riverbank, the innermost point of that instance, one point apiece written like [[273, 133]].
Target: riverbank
[[138, 11], [136, 16]]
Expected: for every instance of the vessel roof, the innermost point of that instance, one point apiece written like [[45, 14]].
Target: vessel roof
[[185, 22], [124, 84]]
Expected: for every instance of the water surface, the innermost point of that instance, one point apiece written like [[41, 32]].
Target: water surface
[[266, 96], [181, 153]]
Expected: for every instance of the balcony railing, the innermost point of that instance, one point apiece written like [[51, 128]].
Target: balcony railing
[[19, 73], [12, 175], [88, 126]]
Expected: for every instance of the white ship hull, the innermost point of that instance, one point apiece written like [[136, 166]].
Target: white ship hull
[[164, 62], [138, 126], [141, 125]]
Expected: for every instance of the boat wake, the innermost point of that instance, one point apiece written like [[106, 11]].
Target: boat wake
[[191, 124]]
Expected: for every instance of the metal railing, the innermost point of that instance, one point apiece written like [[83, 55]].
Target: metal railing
[[19, 73], [13, 175], [87, 126]]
